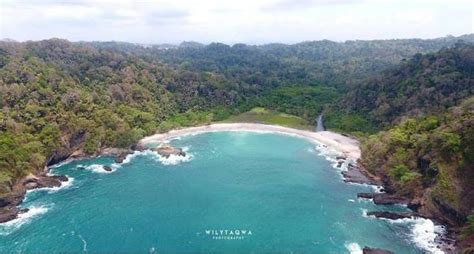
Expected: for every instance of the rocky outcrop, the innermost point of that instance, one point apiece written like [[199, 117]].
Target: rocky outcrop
[[107, 168], [167, 150], [121, 157], [9, 204], [450, 215], [368, 250], [8, 214], [70, 145], [139, 147], [390, 215], [71, 148], [354, 175], [43, 181], [384, 198]]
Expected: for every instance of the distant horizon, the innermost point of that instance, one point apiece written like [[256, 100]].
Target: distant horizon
[[230, 22], [229, 44]]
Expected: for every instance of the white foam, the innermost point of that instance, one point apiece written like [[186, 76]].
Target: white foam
[[127, 159], [171, 160], [62, 163], [97, 168], [10, 226], [84, 243], [64, 185], [174, 159], [353, 248], [423, 233], [364, 213], [377, 188]]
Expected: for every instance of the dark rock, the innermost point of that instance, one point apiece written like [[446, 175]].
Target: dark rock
[[8, 214], [168, 150], [365, 195], [390, 215], [341, 158], [77, 138], [24, 210], [58, 156], [48, 182], [414, 206], [80, 168], [450, 212], [31, 185], [14, 198], [61, 178], [339, 164], [107, 168], [384, 198], [3, 202], [368, 250], [353, 175], [121, 157], [139, 147]]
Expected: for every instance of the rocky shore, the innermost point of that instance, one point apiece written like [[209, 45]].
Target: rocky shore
[[355, 173], [9, 204]]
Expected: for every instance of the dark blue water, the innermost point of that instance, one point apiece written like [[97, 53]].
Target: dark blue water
[[278, 189]]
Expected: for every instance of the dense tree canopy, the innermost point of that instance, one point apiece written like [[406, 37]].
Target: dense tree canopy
[[57, 95]]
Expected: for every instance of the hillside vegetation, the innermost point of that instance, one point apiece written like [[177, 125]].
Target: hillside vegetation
[[59, 98]]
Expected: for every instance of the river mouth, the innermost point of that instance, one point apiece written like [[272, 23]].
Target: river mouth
[[235, 192]]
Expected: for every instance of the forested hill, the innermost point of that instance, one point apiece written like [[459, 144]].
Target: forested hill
[[429, 83], [61, 96], [58, 97], [335, 63]]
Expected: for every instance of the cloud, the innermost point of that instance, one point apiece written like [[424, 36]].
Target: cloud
[[285, 5], [248, 21]]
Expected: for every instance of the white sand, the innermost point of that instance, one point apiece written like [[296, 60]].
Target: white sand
[[345, 145]]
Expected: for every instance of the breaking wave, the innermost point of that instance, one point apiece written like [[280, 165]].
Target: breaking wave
[[423, 233], [23, 218], [353, 248], [97, 168]]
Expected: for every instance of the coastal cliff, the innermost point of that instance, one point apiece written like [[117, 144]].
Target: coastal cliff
[[429, 162]]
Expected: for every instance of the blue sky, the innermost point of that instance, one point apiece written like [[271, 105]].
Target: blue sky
[[247, 21]]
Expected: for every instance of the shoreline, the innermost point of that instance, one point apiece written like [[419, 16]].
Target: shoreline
[[347, 146]]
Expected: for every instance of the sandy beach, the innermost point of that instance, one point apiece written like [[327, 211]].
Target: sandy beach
[[345, 145]]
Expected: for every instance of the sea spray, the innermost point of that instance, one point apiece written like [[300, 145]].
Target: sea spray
[[97, 168], [423, 233], [23, 218], [353, 248]]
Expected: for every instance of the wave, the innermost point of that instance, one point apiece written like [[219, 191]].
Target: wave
[[23, 218], [97, 168], [364, 213], [128, 159], [330, 155], [84, 243], [64, 185], [353, 248], [62, 163], [423, 233], [171, 160]]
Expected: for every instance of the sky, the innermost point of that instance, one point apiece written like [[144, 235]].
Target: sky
[[233, 21]]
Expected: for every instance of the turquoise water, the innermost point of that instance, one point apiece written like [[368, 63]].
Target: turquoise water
[[279, 189]]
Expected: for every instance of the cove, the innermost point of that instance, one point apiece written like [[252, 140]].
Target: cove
[[280, 188]]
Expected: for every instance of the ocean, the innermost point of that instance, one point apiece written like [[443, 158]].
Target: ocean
[[234, 192]]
